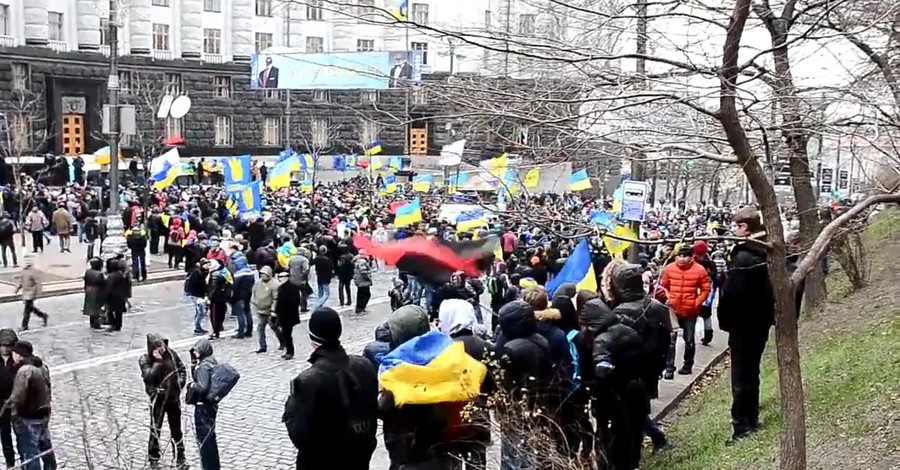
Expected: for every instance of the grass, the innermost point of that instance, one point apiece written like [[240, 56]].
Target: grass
[[851, 366]]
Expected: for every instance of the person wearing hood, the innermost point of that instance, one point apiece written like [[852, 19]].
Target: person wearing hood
[[118, 289], [618, 361], [175, 242], [298, 269], [687, 285], [219, 289], [334, 403], [746, 311], [164, 377], [287, 311], [241, 294], [202, 364], [265, 297], [374, 350], [8, 369], [362, 277], [30, 405], [94, 292]]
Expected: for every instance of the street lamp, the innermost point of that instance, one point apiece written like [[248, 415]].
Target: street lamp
[[115, 240]]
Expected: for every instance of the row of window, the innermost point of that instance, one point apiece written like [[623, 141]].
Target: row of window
[[314, 10], [322, 132]]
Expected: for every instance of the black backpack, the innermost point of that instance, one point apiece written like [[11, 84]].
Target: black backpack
[[223, 378]]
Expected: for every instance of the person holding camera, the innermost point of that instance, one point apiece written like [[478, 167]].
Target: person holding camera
[[164, 377]]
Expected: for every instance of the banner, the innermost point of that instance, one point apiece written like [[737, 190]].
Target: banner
[[346, 71]]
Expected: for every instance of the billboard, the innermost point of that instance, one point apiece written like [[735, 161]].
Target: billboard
[[347, 71]]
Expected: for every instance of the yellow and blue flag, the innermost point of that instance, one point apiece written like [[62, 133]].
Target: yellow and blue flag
[[618, 194], [579, 181], [431, 368], [603, 219], [306, 186], [213, 165], [470, 220], [456, 180], [389, 184], [237, 172], [250, 202], [285, 252], [376, 163], [164, 169], [352, 160], [422, 183], [408, 214], [307, 162], [285, 154], [280, 175], [496, 166], [395, 163], [617, 247], [532, 178], [578, 270], [231, 203], [402, 11], [101, 156], [374, 149]]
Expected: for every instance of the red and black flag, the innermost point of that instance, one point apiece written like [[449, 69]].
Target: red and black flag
[[432, 260]]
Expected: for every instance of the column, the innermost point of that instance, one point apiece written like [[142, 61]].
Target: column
[[192, 29], [88, 23], [37, 30], [140, 25], [242, 33]]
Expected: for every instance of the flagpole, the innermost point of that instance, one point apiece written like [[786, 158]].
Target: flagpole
[[408, 89]]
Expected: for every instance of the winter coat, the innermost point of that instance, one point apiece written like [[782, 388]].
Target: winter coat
[[30, 396], [217, 288], [201, 373], [344, 267], [298, 269], [30, 284], [36, 221], [266, 256], [687, 287], [362, 271], [195, 284], [118, 288], [287, 305], [8, 368], [244, 281], [163, 379], [381, 346], [324, 269], [525, 357], [406, 323], [7, 229], [94, 291], [618, 352], [62, 222], [136, 239], [747, 303], [265, 292], [556, 338], [333, 405]]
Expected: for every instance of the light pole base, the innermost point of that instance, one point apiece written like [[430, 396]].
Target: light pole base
[[115, 242]]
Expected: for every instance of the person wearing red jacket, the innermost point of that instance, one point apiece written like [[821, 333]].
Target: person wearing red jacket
[[687, 284]]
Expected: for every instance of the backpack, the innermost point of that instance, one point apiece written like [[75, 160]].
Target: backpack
[[576, 360], [222, 379], [493, 286]]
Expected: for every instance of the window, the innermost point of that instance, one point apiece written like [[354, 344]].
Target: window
[[319, 128], [365, 9], [271, 94], [21, 76], [105, 40], [124, 81], [315, 44], [223, 87], [4, 20], [223, 130], [420, 13], [314, 10], [21, 133], [160, 37], [263, 7], [174, 127], [212, 41], [368, 96], [173, 84], [368, 131], [365, 45], [55, 22], [263, 41], [320, 96], [526, 24], [160, 3], [272, 131], [214, 6], [421, 46], [419, 95], [126, 140], [487, 20]]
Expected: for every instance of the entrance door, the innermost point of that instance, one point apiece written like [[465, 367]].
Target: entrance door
[[73, 134]]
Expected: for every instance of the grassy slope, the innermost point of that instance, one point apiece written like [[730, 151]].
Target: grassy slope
[[851, 371]]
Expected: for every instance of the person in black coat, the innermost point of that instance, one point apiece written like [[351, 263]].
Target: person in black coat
[[164, 377], [574, 418], [118, 291], [746, 311], [287, 310], [334, 403], [8, 371], [94, 292]]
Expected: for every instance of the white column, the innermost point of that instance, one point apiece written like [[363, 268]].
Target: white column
[[242, 31], [191, 29], [140, 25], [88, 23], [37, 30]]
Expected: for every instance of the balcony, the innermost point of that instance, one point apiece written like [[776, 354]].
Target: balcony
[[105, 49], [213, 58], [159, 54], [58, 46], [7, 41]]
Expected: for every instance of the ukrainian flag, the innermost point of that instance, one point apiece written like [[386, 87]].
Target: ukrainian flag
[[618, 194], [376, 163], [213, 166], [532, 178], [618, 247], [408, 214], [579, 181], [578, 269], [402, 11], [351, 161], [470, 220], [101, 157], [456, 180], [164, 169], [280, 175], [375, 149], [250, 202], [231, 204], [237, 172], [389, 184], [307, 162], [496, 166], [395, 163], [431, 368], [422, 183], [285, 154], [285, 252], [306, 186]]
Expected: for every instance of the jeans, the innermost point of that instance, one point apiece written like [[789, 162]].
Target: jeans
[[261, 322], [201, 308], [9, 451], [688, 327], [324, 293], [171, 411], [11, 245], [363, 294], [241, 309], [746, 353], [205, 426], [139, 265], [33, 441], [344, 291]]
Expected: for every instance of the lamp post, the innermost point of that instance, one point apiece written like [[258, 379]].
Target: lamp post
[[115, 240]]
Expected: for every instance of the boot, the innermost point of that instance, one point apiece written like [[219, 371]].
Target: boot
[[707, 337]]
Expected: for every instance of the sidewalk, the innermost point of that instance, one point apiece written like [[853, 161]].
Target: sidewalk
[[62, 272]]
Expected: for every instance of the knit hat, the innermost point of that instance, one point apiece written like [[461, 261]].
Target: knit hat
[[23, 348], [700, 248], [8, 337], [325, 326]]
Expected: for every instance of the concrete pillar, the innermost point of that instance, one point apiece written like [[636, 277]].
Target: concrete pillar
[[140, 26], [192, 29], [88, 21], [37, 30], [242, 33]]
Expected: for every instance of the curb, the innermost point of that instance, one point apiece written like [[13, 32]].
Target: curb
[[165, 277], [674, 402]]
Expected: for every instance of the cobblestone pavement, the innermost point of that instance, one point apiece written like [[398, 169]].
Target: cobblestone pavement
[[100, 415]]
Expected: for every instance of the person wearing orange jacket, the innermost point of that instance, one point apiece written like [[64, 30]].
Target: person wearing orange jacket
[[687, 285]]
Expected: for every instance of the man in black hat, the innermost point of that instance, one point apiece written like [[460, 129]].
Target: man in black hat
[[8, 369], [334, 403]]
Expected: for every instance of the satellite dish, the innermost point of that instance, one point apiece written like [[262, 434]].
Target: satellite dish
[[180, 107], [164, 106]]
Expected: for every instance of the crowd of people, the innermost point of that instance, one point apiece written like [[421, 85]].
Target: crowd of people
[[584, 362]]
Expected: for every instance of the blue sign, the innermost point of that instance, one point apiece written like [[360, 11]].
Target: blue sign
[[347, 71]]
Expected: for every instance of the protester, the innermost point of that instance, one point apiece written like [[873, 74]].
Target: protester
[[94, 293], [195, 290], [136, 238], [287, 309], [241, 294], [7, 230], [8, 369], [35, 223], [164, 377], [117, 293], [29, 403], [219, 291], [687, 286], [205, 409], [362, 277], [264, 300], [324, 272], [62, 223], [31, 288]]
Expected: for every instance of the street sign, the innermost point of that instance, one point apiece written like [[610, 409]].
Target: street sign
[[634, 199]]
